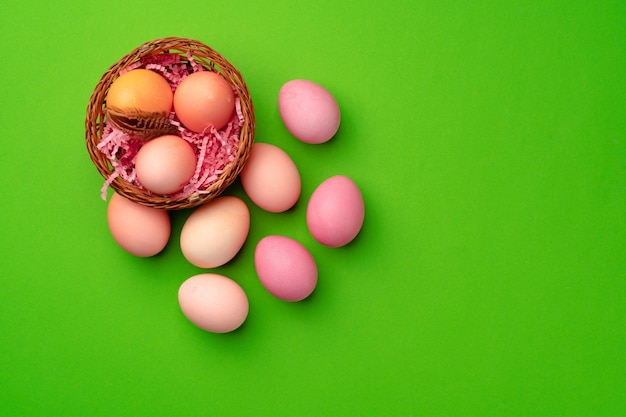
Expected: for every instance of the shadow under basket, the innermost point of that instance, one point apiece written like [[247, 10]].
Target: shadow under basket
[[210, 60]]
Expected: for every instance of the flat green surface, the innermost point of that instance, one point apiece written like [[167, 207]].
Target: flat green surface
[[489, 279]]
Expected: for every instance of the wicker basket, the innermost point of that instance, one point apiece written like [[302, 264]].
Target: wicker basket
[[210, 60]]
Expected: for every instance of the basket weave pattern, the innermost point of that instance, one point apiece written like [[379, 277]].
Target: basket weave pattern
[[210, 60]]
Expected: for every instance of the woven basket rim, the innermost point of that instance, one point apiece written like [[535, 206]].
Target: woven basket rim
[[210, 60]]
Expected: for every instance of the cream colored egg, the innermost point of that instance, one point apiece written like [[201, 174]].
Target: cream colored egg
[[213, 302], [215, 232]]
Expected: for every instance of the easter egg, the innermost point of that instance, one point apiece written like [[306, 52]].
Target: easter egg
[[215, 232], [213, 302], [139, 230], [203, 100], [164, 165], [285, 267], [335, 211], [309, 111], [270, 178], [140, 90]]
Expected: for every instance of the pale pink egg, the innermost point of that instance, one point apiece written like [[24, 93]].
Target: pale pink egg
[[215, 232], [309, 111], [270, 178], [285, 268], [335, 211], [164, 165], [204, 99], [213, 302], [139, 230]]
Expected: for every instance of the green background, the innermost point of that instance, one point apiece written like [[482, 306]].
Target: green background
[[488, 139]]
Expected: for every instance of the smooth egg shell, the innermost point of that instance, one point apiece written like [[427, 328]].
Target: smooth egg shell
[[204, 99], [215, 232], [335, 211], [285, 268], [270, 178], [164, 165], [140, 90], [309, 111], [213, 302], [139, 230]]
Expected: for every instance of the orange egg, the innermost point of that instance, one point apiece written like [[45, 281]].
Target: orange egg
[[141, 90], [204, 99]]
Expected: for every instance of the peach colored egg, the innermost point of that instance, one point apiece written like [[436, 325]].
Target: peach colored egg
[[309, 111], [139, 230], [164, 165], [140, 89], [335, 211], [215, 232], [270, 178], [213, 302], [204, 99], [285, 268]]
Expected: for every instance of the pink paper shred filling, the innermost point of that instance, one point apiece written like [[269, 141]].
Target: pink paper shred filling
[[215, 149]]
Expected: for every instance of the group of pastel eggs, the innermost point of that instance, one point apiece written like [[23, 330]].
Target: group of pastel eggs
[[215, 232], [202, 101]]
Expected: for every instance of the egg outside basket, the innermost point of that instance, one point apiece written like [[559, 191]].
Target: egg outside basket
[[210, 60]]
